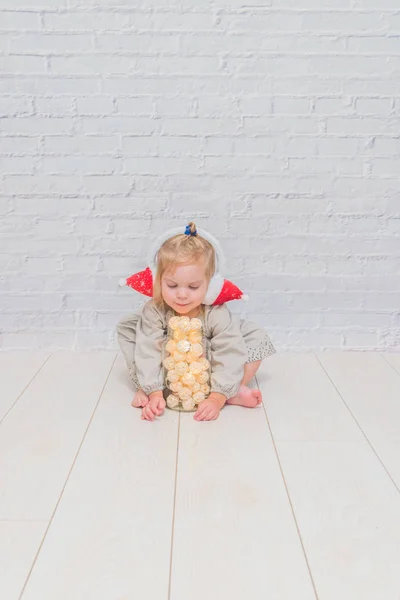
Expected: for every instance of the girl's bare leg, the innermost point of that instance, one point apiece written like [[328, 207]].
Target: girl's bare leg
[[246, 396]]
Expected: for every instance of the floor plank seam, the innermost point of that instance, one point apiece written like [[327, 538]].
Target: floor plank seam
[[24, 390], [173, 508], [359, 426], [66, 481], [289, 499], [383, 356]]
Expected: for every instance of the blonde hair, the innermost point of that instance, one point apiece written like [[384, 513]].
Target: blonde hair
[[179, 250]]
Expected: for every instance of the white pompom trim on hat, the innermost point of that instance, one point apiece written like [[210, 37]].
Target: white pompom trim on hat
[[214, 289]]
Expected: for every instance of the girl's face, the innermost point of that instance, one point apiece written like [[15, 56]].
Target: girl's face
[[184, 288]]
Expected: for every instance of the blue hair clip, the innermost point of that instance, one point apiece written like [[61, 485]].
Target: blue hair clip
[[188, 232]]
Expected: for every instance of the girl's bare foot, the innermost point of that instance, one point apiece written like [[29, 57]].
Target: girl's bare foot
[[246, 397], [140, 399]]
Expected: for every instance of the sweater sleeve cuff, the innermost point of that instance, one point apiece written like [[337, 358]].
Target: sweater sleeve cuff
[[228, 391], [154, 387]]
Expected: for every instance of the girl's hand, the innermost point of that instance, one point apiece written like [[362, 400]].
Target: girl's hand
[[155, 407], [210, 408]]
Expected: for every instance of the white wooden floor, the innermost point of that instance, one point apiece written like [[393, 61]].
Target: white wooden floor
[[298, 500]]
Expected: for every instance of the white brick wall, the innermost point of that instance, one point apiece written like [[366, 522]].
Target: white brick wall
[[272, 123]]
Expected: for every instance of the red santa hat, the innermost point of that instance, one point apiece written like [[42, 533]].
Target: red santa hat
[[219, 290]]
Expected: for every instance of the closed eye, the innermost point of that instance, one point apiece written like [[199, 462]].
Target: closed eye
[[190, 286]]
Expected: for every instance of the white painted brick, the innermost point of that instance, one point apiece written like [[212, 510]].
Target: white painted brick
[[40, 302], [17, 164], [367, 340], [352, 65], [87, 64], [173, 21], [358, 86], [374, 44], [247, 145], [95, 105], [271, 22], [5, 42], [393, 225], [284, 225], [14, 224], [5, 205], [221, 145], [29, 184], [161, 165], [351, 166], [362, 126], [103, 165], [249, 164], [135, 203], [297, 146], [338, 146], [42, 264], [11, 106], [240, 43], [175, 107], [336, 106], [142, 105], [40, 246], [264, 205], [178, 145], [137, 227], [304, 264], [132, 43], [274, 65], [19, 20], [140, 145], [284, 84], [36, 125], [38, 43], [384, 166], [296, 106], [345, 22], [211, 106], [313, 4], [56, 106], [373, 106], [199, 126], [20, 321], [342, 225], [77, 264], [50, 206], [147, 85], [179, 65], [10, 263], [370, 4], [279, 124], [86, 21], [80, 144], [15, 65], [107, 125], [354, 319], [107, 184]]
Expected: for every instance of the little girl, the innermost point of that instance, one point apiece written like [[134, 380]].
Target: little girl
[[184, 267]]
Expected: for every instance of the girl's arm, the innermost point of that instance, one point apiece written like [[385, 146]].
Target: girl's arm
[[228, 352], [150, 334]]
